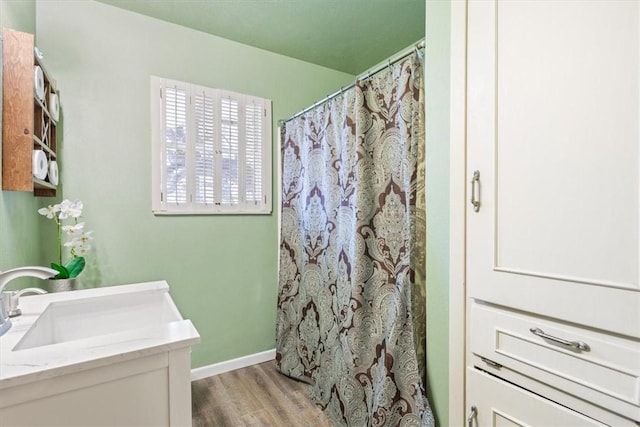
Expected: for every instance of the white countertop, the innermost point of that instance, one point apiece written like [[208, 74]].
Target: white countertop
[[47, 361]]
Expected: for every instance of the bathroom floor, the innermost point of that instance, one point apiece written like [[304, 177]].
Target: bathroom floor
[[254, 396]]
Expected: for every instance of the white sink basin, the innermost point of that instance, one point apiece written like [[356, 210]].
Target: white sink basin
[[77, 319]]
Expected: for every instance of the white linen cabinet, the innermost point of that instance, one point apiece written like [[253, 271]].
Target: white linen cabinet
[[551, 117]]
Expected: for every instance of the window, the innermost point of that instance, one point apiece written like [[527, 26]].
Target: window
[[211, 150]]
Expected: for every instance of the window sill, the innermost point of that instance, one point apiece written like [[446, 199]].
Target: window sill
[[202, 212]]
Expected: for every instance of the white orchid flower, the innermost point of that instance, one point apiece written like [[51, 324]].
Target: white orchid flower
[[85, 238], [80, 244], [69, 209], [50, 211], [76, 209], [65, 206], [81, 250], [73, 230]]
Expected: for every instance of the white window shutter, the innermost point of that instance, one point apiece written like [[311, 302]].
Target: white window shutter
[[211, 150], [175, 152], [229, 150], [253, 153], [204, 155]]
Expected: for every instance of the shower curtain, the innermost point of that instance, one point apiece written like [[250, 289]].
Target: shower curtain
[[351, 295]]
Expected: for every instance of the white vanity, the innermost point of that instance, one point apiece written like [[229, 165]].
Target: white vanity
[[113, 356]]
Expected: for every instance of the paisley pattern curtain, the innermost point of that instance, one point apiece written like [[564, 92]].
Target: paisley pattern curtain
[[351, 296]]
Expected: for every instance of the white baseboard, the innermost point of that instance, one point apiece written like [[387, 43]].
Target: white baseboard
[[232, 365]]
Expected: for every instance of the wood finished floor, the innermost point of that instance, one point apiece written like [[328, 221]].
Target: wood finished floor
[[254, 396]]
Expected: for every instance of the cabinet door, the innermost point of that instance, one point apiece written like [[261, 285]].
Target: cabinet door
[[553, 127], [500, 404]]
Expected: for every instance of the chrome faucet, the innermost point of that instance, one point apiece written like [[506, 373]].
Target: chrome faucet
[[9, 275]]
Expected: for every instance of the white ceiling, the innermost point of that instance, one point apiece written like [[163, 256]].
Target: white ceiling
[[345, 35]]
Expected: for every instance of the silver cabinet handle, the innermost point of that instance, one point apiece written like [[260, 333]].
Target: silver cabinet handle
[[473, 413], [577, 345], [475, 182]]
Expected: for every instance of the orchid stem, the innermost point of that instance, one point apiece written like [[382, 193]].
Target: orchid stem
[[59, 241]]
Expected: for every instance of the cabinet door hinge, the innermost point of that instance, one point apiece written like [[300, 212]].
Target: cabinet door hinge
[[491, 363]]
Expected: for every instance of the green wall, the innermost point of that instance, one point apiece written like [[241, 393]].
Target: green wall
[[18, 14], [222, 270], [19, 222], [437, 93]]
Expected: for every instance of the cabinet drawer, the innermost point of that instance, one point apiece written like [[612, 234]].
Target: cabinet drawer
[[499, 403], [605, 372]]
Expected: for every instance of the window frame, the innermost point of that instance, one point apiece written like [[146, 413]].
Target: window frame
[[160, 206]]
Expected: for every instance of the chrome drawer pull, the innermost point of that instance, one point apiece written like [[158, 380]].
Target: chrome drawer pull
[[577, 345]]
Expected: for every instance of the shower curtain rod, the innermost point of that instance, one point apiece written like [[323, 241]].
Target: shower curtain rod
[[421, 44]]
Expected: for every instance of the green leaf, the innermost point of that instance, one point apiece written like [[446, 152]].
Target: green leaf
[[75, 266], [63, 273]]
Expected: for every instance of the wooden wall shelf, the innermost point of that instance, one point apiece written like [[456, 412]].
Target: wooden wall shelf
[[27, 121]]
